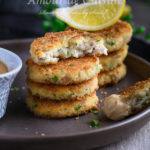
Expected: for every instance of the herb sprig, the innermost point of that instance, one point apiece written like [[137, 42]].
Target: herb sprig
[[15, 89], [94, 123]]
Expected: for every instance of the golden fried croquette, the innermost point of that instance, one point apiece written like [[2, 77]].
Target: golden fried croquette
[[62, 45], [129, 101], [65, 72], [57, 92], [115, 36], [61, 109], [113, 59], [112, 76]]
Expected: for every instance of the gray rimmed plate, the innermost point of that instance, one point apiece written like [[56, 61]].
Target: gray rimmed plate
[[19, 129]]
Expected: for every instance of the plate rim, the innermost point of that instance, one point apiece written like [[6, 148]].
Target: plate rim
[[124, 122]]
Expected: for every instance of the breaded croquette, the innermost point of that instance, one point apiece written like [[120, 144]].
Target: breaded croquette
[[66, 44], [57, 92], [61, 109], [129, 101], [112, 76], [65, 72], [114, 59], [115, 36]]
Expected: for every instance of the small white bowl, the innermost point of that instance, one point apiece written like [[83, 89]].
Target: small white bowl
[[14, 64]]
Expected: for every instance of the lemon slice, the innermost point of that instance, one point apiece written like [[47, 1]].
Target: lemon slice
[[92, 16]]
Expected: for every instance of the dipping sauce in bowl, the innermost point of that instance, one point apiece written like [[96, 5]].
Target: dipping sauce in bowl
[[3, 68]]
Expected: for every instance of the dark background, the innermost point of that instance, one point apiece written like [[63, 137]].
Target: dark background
[[19, 20]]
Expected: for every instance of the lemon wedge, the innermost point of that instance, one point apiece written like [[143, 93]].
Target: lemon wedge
[[92, 16]]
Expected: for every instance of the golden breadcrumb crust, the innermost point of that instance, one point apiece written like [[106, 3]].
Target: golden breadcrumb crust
[[61, 109], [112, 76], [65, 72], [57, 92], [59, 39], [113, 59], [136, 89], [115, 36]]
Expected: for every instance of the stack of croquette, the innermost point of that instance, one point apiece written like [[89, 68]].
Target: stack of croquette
[[62, 74], [115, 39]]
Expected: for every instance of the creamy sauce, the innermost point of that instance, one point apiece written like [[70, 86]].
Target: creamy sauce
[[3, 68], [114, 107]]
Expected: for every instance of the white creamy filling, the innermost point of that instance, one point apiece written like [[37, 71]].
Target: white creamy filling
[[140, 100], [75, 50]]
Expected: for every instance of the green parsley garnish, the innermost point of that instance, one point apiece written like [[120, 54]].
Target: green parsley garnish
[[95, 112], [94, 123], [54, 95], [68, 53], [127, 18], [88, 34], [45, 66], [65, 109], [59, 49], [144, 102], [34, 106], [148, 37], [55, 78], [139, 30], [76, 43], [110, 42], [98, 40], [71, 65], [15, 89], [77, 107]]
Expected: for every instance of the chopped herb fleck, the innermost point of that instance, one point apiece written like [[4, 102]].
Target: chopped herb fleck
[[76, 43], [148, 37], [98, 40], [110, 42], [77, 107], [94, 123], [45, 66], [144, 102], [68, 53], [71, 65], [54, 95], [15, 89], [88, 34], [59, 49], [95, 112], [127, 18], [34, 106], [65, 109], [55, 78], [139, 30]]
